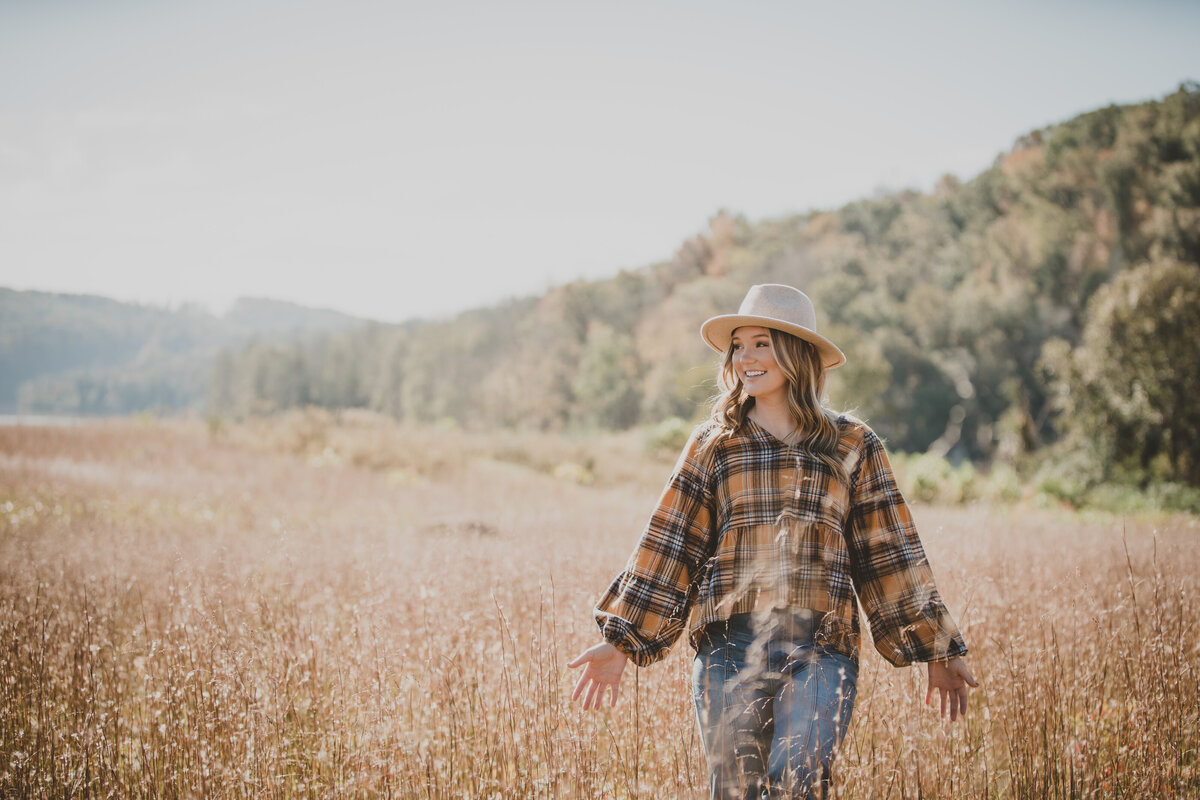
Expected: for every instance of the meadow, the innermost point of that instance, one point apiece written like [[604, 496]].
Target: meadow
[[317, 607]]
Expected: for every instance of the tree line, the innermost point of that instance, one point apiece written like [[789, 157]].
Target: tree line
[[85, 355], [1049, 304]]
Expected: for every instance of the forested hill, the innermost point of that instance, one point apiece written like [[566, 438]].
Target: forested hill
[[81, 354], [974, 317], [1052, 299]]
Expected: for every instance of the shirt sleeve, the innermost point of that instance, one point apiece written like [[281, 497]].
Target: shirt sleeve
[[908, 620], [645, 609]]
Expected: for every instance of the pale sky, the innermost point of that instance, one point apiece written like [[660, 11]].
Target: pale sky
[[396, 159]]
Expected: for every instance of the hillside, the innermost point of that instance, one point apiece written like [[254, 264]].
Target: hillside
[[82, 354], [963, 311], [976, 318]]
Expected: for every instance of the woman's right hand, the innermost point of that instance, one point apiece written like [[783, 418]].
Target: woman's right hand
[[602, 667]]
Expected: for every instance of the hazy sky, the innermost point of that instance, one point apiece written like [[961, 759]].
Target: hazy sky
[[394, 159]]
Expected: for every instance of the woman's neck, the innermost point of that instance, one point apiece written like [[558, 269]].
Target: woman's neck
[[774, 416]]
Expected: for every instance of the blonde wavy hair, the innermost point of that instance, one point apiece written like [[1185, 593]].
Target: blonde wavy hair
[[800, 363]]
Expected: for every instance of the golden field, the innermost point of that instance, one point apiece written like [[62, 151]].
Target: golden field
[[319, 607]]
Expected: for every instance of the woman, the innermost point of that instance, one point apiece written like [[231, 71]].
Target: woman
[[780, 518]]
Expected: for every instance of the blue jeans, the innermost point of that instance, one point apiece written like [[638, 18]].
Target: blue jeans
[[772, 706]]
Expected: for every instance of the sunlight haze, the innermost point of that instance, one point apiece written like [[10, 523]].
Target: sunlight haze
[[393, 160]]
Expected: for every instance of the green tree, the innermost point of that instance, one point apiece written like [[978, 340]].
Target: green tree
[[606, 385], [221, 384], [1130, 391], [387, 380]]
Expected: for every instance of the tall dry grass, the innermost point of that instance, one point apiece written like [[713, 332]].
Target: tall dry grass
[[308, 609]]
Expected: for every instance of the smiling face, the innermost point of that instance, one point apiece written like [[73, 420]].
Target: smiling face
[[754, 362]]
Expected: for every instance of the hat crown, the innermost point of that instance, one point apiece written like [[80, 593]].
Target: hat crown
[[784, 303], [773, 305]]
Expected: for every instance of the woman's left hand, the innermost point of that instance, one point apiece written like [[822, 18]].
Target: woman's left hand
[[951, 679], [602, 667]]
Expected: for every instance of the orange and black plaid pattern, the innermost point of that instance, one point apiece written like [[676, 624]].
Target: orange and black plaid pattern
[[757, 524]]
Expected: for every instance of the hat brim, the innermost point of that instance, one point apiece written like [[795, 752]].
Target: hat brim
[[718, 332]]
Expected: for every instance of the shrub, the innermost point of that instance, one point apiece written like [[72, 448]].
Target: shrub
[[668, 437], [1001, 485]]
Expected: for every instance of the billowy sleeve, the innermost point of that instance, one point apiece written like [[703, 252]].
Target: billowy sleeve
[[908, 620], [645, 609]]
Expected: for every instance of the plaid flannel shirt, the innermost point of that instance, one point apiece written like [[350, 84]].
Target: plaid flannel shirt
[[758, 524]]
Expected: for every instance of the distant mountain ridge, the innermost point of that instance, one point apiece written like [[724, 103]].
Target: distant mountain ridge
[[81, 354], [264, 315]]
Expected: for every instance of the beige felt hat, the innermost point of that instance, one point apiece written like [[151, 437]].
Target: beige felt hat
[[773, 305]]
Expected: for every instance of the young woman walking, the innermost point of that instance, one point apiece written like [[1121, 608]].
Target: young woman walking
[[779, 520]]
